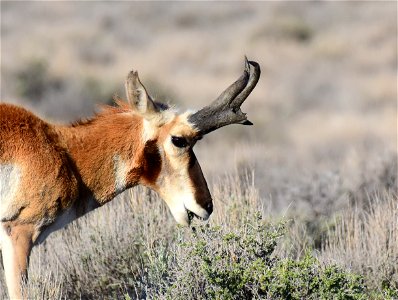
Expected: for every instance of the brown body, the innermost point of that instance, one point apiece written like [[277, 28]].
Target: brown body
[[52, 174]]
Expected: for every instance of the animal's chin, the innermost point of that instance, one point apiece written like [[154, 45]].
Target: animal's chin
[[186, 216]]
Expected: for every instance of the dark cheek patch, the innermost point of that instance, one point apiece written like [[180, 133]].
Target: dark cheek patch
[[202, 193], [192, 159], [152, 162]]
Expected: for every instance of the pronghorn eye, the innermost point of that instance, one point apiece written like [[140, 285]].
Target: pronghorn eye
[[179, 141]]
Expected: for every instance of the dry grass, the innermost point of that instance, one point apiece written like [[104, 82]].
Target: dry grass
[[366, 241], [125, 247]]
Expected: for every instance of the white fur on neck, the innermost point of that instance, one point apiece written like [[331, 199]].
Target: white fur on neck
[[10, 176], [120, 170]]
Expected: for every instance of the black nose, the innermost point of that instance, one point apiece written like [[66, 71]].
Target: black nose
[[209, 208]]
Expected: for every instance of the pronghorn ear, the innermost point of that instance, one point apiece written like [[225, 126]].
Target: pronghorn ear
[[137, 95]]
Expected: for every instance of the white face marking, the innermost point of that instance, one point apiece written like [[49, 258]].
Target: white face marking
[[185, 116], [148, 131], [10, 176], [152, 122], [121, 169]]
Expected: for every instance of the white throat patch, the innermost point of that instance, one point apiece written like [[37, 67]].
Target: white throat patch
[[121, 169], [10, 176]]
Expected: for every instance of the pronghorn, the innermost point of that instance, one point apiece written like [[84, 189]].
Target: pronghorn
[[51, 174]]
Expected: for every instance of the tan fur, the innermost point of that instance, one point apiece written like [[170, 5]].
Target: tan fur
[[31, 143]]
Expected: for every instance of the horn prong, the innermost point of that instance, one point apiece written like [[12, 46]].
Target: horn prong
[[225, 109]]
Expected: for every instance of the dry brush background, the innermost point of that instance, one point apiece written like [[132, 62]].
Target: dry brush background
[[322, 152]]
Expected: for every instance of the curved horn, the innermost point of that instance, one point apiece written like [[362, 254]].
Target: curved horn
[[225, 109]]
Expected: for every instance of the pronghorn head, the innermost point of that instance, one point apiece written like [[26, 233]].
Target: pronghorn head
[[171, 168]]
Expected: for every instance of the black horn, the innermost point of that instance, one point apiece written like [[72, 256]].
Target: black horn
[[225, 109]]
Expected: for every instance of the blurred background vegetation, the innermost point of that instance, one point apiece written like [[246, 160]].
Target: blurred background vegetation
[[325, 109]]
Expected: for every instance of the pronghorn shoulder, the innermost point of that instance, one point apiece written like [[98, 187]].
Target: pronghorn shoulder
[[10, 112], [17, 119]]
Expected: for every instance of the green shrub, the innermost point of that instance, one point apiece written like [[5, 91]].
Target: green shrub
[[216, 263]]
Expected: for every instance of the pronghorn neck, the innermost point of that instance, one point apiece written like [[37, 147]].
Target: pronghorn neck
[[108, 152]]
